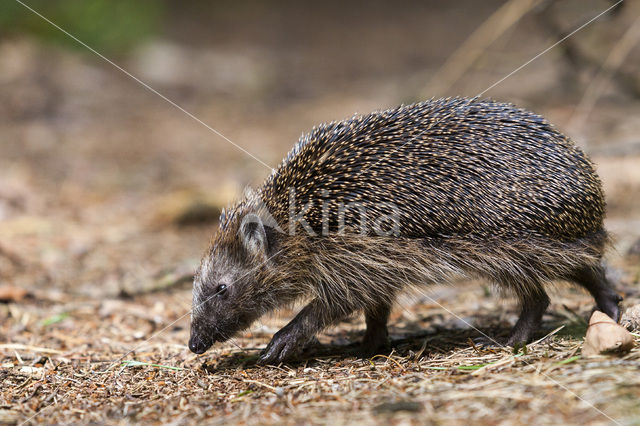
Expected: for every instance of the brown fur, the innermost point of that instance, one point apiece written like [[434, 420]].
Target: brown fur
[[354, 272]]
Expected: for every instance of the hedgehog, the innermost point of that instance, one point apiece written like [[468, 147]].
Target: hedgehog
[[363, 209]]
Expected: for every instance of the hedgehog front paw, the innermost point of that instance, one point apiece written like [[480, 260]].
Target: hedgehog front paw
[[285, 345]]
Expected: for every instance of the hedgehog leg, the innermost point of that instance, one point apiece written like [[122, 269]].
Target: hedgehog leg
[[594, 280], [376, 338], [291, 339], [534, 303]]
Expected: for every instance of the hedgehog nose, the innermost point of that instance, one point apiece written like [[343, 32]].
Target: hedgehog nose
[[196, 345]]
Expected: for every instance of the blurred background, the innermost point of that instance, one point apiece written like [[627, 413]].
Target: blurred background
[[108, 189], [109, 193]]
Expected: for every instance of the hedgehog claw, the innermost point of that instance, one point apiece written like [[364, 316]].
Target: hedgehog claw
[[284, 345]]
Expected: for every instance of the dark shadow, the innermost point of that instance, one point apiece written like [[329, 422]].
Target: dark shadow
[[439, 341]]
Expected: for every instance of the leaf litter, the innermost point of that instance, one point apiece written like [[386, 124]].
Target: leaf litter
[[96, 259]]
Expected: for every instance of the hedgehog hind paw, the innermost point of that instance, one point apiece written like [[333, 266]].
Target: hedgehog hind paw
[[375, 344]]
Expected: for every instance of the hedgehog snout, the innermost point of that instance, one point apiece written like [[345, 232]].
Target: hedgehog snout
[[197, 345]]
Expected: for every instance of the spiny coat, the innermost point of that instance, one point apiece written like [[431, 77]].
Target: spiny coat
[[478, 188]]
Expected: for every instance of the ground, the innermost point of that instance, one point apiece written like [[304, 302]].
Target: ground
[[108, 196]]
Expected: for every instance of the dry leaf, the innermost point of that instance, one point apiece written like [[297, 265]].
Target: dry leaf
[[11, 294], [604, 336]]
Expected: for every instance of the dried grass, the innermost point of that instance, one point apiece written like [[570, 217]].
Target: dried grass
[[70, 371]]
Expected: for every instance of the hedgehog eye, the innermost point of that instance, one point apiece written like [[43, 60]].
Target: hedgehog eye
[[221, 289]]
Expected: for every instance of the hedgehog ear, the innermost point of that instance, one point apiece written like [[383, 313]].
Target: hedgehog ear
[[253, 234]]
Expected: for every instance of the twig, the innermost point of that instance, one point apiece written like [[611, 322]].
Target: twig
[[477, 43], [389, 358], [578, 59], [18, 346], [547, 336], [501, 363], [609, 68], [271, 388]]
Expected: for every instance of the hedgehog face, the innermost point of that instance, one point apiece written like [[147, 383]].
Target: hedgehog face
[[226, 296]]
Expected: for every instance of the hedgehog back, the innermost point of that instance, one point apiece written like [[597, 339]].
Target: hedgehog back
[[452, 167]]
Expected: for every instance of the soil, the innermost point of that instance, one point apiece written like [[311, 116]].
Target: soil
[[108, 195]]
